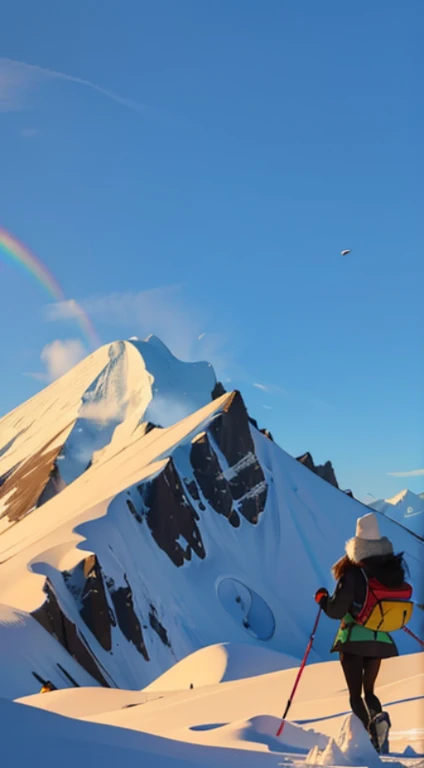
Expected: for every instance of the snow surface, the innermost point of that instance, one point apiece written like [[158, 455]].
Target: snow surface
[[178, 389], [27, 647], [235, 722], [221, 663], [351, 747]]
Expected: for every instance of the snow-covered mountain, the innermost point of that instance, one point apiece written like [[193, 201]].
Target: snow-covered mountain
[[406, 508], [144, 517]]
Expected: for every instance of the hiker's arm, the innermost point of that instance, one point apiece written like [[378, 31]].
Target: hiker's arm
[[340, 602]]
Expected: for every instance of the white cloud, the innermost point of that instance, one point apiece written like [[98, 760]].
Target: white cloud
[[263, 387], [16, 77], [410, 473], [102, 411], [64, 310], [163, 312], [59, 357]]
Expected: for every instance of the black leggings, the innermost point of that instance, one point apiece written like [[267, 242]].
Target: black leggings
[[361, 672]]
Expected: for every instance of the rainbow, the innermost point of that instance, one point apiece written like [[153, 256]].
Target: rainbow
[[18, 254]]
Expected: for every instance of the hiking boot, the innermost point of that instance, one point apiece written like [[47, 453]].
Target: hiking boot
[[378, 729]]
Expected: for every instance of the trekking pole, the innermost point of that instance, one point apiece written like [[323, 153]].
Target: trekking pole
[[299, 674], [408, 632]]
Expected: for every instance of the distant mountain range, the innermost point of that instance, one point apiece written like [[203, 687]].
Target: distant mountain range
[[406, 508]]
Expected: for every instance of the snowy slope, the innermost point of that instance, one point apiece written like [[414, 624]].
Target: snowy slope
[[28, 648], [406, 508], [220, 663], [164, 539], [234, 723]]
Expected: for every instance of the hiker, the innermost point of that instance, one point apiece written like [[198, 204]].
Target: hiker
[[368, 576]]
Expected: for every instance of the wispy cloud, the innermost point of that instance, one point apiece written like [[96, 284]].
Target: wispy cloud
[[409, 473], [68, 309], [18, 77], [28, 133], [271, 389], [102, 411], [59, 357], [163, 312]]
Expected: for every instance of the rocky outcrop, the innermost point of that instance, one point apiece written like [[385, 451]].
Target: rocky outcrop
[[157, 626], [171, 517], [31, 483], [218, 391], [127, 618], [86, 585], [325, 471], [208, 473], [267, 434], [91, 591], [55, 621], [231, 432], [263, 431], [135, 513]]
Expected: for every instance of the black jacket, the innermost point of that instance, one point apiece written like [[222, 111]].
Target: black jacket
[[349, 597]]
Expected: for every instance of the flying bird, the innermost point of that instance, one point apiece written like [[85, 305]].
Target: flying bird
[[344, 253]]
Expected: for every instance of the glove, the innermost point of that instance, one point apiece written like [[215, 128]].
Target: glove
[[320, 594]]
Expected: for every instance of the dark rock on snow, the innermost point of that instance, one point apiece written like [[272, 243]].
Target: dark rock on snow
[[325, 471], [55, 621]]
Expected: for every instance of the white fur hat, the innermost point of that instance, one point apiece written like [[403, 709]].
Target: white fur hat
[[367, 542], [367, 527]]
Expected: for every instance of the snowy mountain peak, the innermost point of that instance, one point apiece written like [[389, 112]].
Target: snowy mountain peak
[[406, 508], [404, 496], [178, 389], [91, 411]]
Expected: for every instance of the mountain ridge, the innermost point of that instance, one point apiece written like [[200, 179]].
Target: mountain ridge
[[170, 538]]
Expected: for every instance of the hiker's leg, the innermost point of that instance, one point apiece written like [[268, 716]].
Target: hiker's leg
[[371, 670], [353, 672]]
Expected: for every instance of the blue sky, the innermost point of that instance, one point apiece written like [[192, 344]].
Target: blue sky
[[241, 145]]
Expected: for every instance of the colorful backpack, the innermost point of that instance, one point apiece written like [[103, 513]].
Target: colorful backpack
[[385, 609]]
